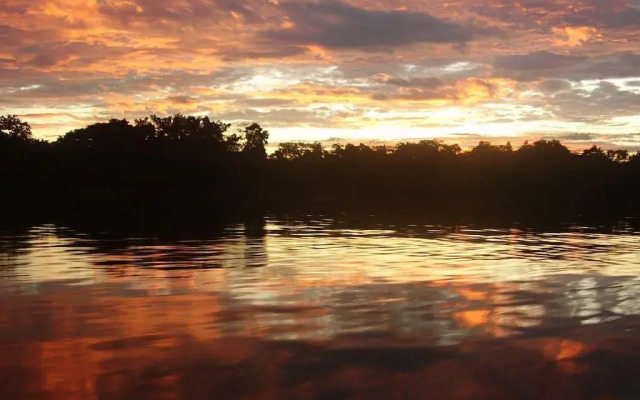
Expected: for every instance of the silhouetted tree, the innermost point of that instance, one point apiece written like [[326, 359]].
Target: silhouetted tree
[[420, 150], [188, 128], [112, 135], [296, 151], [595, 152], [177, 152], [288, 151], [382, 150], [13, 127], [233, 143], [545, 148], [486, 149], [256, 139], [315, 151], [618, 155], [425, 149]]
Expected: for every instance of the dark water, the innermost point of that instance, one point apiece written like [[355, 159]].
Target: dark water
[[321, 310]]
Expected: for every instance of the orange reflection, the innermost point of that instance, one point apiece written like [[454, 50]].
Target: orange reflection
[[473, 318], [471, 294], [139, 347], [563, 349], [376, 319]]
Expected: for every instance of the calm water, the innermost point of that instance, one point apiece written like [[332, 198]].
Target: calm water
[[320, 310]]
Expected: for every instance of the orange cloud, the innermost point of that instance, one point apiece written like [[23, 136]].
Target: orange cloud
[[575, 36]]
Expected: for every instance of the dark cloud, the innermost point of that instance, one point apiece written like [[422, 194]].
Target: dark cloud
[[543, 15], [235, 54], [72, 90], [544, 64], [554, 85], [537, 62], [6, 31], [538, 15], [334, 24], [599, 105], [576, 137], [188, 11], [48, 54], [413, 95], [181, 99], [429, 82], [43, 60], [622, 65], [608, 14], [13, 9], [13, 38], [284, 117]]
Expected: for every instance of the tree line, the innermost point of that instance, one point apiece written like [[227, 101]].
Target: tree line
[[177, 153]]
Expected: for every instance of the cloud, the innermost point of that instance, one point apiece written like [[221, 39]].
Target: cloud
[[544, 15], [457, 91], [537, 62], [576, 137], [18, 9], [187, 11], [268, 102], [327, 63], [236, 54], [68, 90], [600, 105], [529, 15], [182, 99], [334, 24], [421, 82], [608, 14], [575, 36], [554, 85], [283, 117], [544, 64]]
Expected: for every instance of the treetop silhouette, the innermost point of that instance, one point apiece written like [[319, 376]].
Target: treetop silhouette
[[190, 152]]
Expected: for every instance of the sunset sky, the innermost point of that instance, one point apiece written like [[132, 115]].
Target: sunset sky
[[358, 69]]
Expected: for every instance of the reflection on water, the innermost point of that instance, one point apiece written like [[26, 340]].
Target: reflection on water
[[286, 309]]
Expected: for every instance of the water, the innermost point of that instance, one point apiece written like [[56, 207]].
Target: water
[[320, 309]]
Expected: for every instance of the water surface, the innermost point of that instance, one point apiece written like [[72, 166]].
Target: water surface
[[316, 308]]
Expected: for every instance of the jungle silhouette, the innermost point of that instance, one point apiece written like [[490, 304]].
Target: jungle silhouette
[[195, 161]]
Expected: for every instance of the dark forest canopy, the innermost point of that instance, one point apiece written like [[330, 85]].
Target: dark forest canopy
[[172, 153], [205, 135]]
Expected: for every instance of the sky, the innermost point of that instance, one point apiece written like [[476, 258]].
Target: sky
[[324, 69]]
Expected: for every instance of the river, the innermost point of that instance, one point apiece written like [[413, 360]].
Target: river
[[319, 308]]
